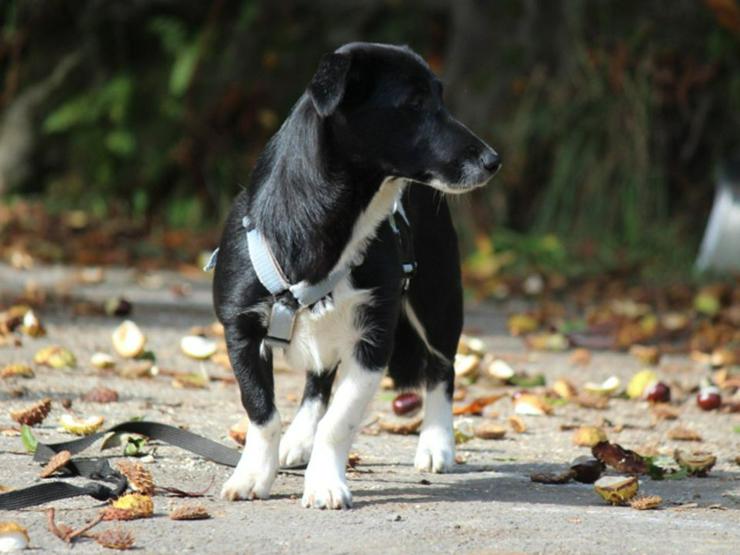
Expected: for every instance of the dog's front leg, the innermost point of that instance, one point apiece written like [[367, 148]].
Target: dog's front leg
[[325, 483], [257, 468]]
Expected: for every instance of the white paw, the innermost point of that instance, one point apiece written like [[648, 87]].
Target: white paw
[[248, 484], [326, 492], [436, 451], [257, 468]]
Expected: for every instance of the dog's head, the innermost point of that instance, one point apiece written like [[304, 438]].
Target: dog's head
[[383, 108]]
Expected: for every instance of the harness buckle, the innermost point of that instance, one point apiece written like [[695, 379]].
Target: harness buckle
[[282, 321]]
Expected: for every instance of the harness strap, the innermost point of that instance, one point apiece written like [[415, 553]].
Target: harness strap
[[263, 260]]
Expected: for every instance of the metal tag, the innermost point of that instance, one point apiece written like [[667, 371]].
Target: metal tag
[[282, 321]]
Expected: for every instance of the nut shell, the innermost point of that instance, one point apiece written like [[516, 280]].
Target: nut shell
[[55, 356], [128, 340], [139, 478], [137, 504], [198, 347], [13, 537], [697, 463], [640, 382], [588, 436], [532, 405], [81, 426], [16, 370], [489, 430], [607, 388], [34, 414], [115, 538], [57, 462], [466, 365], [617, 490]]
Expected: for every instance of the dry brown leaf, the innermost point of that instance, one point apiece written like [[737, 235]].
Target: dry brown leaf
[[664, 411], [619, 458], [517, 424], [489, 430], [681, 433], [476, 406], [397, 426], [581, 357], [101, 395], [590, 401], [189, 512], [57, 462], [646, 503]]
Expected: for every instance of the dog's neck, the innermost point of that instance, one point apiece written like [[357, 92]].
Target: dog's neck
[[316, 214]]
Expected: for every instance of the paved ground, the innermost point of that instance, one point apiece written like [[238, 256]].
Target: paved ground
[[488, 505]]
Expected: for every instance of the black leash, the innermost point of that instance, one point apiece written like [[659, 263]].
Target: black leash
[[100, 469]]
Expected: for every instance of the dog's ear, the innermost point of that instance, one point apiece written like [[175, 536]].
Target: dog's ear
[[329, 83]]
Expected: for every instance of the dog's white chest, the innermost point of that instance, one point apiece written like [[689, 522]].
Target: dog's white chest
[[327, 334]]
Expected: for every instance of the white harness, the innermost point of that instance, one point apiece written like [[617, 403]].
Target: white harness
[[304, 294]]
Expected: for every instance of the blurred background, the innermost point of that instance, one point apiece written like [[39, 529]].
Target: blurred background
[[128, 126]]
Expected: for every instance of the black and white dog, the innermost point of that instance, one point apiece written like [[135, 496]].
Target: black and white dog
[[369, 128]]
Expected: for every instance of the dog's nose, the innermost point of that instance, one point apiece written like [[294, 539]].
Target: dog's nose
[[490, 160]]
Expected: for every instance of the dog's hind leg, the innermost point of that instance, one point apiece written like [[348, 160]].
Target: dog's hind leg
[[257, 468], [297, 442], [436, 449], [325, 483]]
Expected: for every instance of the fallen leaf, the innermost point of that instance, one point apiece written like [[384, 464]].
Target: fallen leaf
[[517, 424], [681, 433], [646, 503], [397, 426], [194, 512], [476, 406], [619, 458]]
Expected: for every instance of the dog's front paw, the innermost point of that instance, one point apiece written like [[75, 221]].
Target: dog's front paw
[[436, 451], [326, 493], [325, 483], [248, 484]]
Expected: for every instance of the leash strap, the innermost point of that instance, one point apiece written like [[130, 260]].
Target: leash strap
[[100, 469], [169, 434]]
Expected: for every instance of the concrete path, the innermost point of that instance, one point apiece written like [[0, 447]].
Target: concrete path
[[487, 505]]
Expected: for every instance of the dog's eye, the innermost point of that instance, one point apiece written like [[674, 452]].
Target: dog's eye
[[416, 102]]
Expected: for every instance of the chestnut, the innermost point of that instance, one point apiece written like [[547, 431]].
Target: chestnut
[[708, 398], [406, 404], [658, 392]]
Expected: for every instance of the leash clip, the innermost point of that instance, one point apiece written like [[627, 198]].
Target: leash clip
[[282, 321]]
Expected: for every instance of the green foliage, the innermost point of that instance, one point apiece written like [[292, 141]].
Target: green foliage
[[27, 438], [184, 50], [609, 120]]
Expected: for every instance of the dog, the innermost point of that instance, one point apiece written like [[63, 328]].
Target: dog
[[370, 132]]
